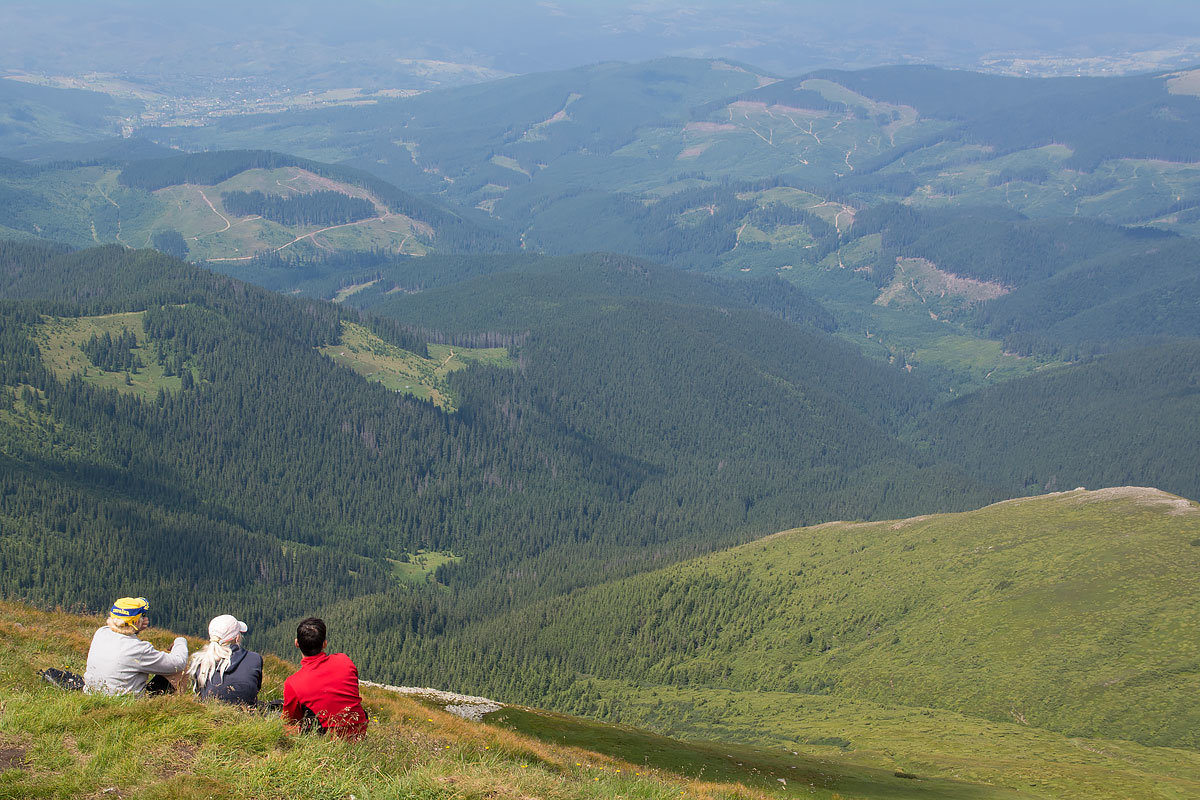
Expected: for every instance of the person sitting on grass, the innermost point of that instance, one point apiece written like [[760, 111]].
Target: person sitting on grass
[[121, 663], [222, 669], [324, 691]]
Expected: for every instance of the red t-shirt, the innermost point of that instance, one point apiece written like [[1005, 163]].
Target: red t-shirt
[[328, 685]]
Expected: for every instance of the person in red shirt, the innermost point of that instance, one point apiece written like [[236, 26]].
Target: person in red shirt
[[324, 691]]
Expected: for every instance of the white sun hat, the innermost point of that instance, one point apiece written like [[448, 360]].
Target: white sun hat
[[225, 628]]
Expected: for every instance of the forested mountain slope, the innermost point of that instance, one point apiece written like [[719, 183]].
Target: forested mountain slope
[[32, 114], [1104, 422], [1136, 116], [1047, 286], [637, 434]]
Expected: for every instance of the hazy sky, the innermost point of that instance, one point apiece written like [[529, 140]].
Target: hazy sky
[[182, 37]]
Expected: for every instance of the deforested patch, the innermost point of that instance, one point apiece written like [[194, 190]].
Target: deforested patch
[[918, 281], [1185, 83]]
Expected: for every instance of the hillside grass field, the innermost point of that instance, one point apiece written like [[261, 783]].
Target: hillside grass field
[[1047, 644], [59, 744], [419, 568], [919, 741]]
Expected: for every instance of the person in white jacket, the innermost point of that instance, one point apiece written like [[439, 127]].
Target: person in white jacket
[[121, 663]]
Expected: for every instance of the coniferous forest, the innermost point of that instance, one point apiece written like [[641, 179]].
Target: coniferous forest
[[317, 208]]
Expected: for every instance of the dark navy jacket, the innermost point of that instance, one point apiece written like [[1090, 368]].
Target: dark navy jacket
[[241, 681]]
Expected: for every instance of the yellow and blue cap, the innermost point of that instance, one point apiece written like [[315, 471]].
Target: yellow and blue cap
[[130, 608]]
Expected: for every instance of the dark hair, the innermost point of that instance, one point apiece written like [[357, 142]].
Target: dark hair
[[310, 635]]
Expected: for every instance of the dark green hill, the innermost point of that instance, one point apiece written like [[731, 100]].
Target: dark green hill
[[999, 244], [1125, 418], [1126, 296], [469, 294], [106, 151], [1070, 286]]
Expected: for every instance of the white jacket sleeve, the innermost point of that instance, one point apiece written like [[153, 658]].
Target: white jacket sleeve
[[156, 662]]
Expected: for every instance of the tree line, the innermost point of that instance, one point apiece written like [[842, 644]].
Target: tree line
[[314, 208]]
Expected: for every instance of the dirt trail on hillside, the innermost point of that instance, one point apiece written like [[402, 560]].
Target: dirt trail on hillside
[[228, 224], [304, 236]]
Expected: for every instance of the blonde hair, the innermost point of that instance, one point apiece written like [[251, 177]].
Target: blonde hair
[[123, 625], [213, 657]]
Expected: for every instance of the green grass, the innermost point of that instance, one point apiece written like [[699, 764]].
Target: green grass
[[421, 565], [922, 741], [402, 371], [61, 341], [768, 769]]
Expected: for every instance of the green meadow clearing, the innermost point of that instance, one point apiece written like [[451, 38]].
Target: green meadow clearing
[[402, 371]]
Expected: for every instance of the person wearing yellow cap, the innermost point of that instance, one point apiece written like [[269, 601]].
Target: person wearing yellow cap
[[121, 663]]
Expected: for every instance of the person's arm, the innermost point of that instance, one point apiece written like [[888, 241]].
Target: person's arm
[[257, 674], [156, 662], [291, 711]]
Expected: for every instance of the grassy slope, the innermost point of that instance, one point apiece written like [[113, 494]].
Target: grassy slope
[[921, 741], [62, 744], [1074, 612]]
